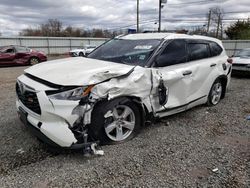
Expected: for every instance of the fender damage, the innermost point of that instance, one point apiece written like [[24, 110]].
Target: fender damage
[[138, 83]]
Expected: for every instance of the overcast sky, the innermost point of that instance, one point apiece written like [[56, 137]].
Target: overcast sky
[[16, 15]]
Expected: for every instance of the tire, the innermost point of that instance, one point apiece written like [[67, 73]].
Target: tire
[[116, 121], [34, 60], [81, 54], [215, 93]]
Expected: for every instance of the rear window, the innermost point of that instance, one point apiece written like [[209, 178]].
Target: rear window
[[198, 51], [22, 49], [215, 49]]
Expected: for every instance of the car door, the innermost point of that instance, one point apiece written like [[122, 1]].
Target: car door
[[7, 56], [22, 55], [171, 66], [199, 60]]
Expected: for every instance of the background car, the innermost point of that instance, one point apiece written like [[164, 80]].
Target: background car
[[241, 61], [82, 51], [20, 55]]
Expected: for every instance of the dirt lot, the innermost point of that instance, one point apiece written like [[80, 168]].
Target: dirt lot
[[180, 151]]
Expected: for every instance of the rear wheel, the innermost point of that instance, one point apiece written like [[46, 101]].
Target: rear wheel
[[115, 123], [215, 93], [33, 61]]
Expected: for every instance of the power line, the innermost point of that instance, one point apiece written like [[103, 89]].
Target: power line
[[196, 2], [173, 20]]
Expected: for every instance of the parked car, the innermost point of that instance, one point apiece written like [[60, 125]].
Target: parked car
[[82, 51], [20, 55], [241, 61], [109, 95]]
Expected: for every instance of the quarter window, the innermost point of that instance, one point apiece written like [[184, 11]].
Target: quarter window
[[198, 51], [215, 49]]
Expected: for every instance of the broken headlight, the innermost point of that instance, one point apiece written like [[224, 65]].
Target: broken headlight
[[73, 94]]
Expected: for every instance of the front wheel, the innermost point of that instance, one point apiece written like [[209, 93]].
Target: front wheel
[[113, 123], [215, 93]]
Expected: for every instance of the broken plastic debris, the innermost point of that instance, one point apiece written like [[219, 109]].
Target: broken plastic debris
[[215, 169], [20, 151], [95, 151]]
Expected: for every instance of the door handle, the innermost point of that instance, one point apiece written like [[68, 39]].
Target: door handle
[[187, 72], [213, 65]]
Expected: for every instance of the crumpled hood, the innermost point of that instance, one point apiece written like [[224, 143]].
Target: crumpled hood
[[77, 71], [241, 60]]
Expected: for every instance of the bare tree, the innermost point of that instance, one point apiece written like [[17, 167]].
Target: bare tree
[[52, 28], [215, 22]]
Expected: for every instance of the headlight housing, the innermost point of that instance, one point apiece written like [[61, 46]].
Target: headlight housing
[[73, 94]]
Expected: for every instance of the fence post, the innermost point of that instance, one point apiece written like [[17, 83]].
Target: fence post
[[235, 46], [48, 47], [20, 41], [70, 44]]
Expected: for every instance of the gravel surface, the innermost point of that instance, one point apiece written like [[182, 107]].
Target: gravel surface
[[179, 151]]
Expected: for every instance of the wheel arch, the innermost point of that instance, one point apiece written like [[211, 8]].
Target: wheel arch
[[144, 113]]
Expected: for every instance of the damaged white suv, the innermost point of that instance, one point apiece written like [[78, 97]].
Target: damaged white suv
[[109, 95]]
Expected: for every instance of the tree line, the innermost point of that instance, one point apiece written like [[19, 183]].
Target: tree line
[[54, 28]]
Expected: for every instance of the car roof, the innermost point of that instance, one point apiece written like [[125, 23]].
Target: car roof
[[166, 36]]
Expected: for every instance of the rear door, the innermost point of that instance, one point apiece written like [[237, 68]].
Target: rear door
[[22, 55], [201, 65]]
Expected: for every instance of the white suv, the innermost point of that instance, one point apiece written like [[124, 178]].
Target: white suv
[[109, 95], [86, 50]]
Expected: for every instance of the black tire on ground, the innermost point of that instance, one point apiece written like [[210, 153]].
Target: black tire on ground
[[81, 54], [34, 60], [216, 93], [104, 119]]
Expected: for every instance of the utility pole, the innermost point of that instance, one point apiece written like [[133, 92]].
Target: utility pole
[[161, 2], [159, 29], [209, 19], [218, 25], [138, 16], [221, 34]]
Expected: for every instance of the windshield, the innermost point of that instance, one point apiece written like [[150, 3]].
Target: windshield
[[132, 52], [243, 53]]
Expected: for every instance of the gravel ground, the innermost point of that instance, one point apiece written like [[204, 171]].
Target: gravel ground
[[179, 151]]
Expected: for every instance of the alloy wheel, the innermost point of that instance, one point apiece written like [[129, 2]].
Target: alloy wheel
[[122, 124]]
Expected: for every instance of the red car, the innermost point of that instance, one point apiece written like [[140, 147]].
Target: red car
[[20, 55]]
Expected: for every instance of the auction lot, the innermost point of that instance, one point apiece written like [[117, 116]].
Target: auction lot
[[203, 147]]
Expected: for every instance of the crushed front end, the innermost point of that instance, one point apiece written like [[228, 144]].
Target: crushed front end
[[53, 112]]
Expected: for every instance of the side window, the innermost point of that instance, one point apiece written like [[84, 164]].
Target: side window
[[198, 51], [174, 53], [215, 49], [9, 50], [21, 49]]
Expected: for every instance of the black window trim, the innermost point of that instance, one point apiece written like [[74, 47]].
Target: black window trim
[[210, 47], [199, 41], [162, 48]]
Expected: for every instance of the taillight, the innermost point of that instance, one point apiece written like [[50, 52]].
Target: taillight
[[230, 60]]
